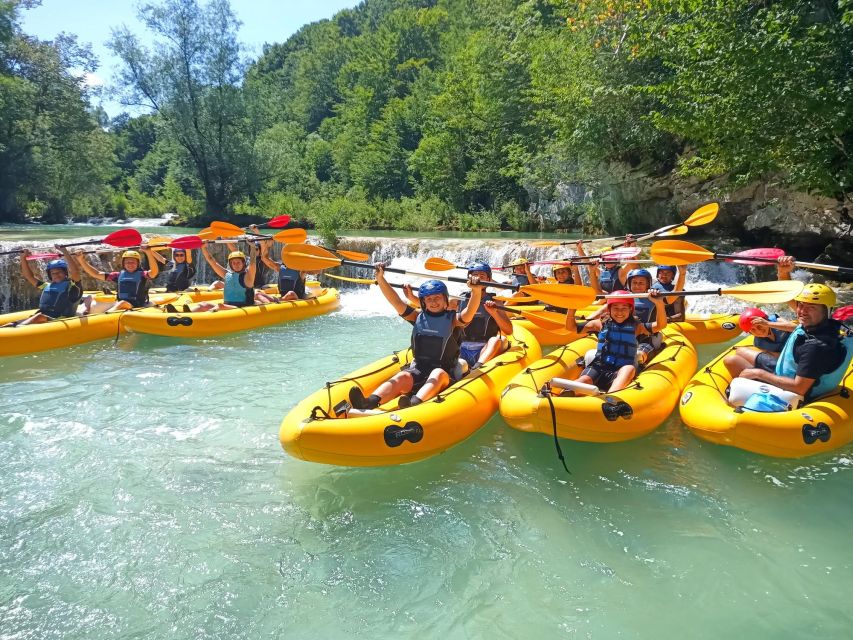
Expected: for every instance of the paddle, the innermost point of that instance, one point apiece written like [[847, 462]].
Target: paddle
[[702, 215], [772, 292], [226, 229], [40, 256], [351, 255], [277, 222], [537, 318], [679, 252], [120, 238], [184, 242], [678, 231], [626, 253], [308, 257]]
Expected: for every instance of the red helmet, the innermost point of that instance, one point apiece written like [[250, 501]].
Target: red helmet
[[629, 301], [746, 317]]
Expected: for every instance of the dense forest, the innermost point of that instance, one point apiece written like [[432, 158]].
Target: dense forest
[[426, 114]]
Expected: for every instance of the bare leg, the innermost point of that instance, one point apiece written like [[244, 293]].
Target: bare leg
[[121, 305], [437, 382], [623, 378], [741, 359], [495, 346], [290, 295], [399, 384]]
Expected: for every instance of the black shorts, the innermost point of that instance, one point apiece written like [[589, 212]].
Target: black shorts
[[420, 373], [766, 361], [602, 377]]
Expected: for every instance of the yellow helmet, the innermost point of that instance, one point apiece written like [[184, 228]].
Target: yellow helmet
[[817, 294], [560, 265], [131, 254], [236, 254], [518, 262]]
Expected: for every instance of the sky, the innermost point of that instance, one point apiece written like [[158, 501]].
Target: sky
[[264, 21]]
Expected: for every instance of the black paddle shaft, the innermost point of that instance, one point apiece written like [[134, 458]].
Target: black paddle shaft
[[485, 283]]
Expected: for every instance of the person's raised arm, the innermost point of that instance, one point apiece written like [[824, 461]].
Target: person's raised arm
[[265, 256], [500, 317], [660, 315], [88, 268], [410, 295], [217, 268], [26, 270], [473, 303], [784, 267], [251, 268], [153, 265], [73, 268], [387, 290]]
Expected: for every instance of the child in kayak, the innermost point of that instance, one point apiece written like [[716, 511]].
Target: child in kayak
[[666, 281], [291, 283], [59, 294], [483, 337], [239, 279], [615, 361], [181, 271], [435, 344], [770, 334], [133, 281]]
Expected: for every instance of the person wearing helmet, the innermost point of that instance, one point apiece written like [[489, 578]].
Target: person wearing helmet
[[608, 276], [615, 361], [770, 334], [435, 344], [133, 281], [239, 279], [291, 283], [563, 273], [666, 281], [60, 293], [646, 310], [521, 273], [483, 338], [181, 271], [262, 273], [815, 357]]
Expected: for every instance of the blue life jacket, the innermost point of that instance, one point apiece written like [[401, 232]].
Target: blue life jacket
[[670, 308], [617, 343], [236, 292], [775, 345], [786, 365], [290, 280], [435, 341], [519, 279], [179, 277], [132, 287], [56, 300], [609, 280], [482, 326], [645, 310]]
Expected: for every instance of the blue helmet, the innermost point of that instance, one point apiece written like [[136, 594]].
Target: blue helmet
[[57, 264], [480, 266], [638, 273], [431, 287], [667, 267]]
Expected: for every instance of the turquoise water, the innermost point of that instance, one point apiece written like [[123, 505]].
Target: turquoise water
[[143, 493]]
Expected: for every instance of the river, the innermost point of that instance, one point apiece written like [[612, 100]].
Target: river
[[143, 493]]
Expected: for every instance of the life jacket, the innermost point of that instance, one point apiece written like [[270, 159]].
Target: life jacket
[[435, 341], [519, 279], [786, 365], [56, 300], [236, 292], [645, 310], [132, 287], [670, 308], [776, 345], [482, 326], [290, 280], [617, 343], [609, 279], [179, 277]]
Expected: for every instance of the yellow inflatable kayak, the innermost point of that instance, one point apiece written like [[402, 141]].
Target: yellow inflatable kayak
[[817, 427], [203, 324], [624, 415], [314, 431], [699, 328]]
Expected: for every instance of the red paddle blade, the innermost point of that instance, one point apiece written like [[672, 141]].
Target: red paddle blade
[[765, 255], [277, 222], [42, 256], [186, 242], [844, 313], [123, 238]]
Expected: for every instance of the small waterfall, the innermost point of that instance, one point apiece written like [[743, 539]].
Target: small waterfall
[[406, 253]]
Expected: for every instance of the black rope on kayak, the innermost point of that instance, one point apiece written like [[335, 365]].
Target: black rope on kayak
[[118, 325], [546, 392], [468, 379]]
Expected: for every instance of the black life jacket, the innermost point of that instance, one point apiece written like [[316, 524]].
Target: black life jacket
[[59, 299], [609, 280], [482, 326], [673, 308], [180, 277], [435, 341], [290, 280]]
